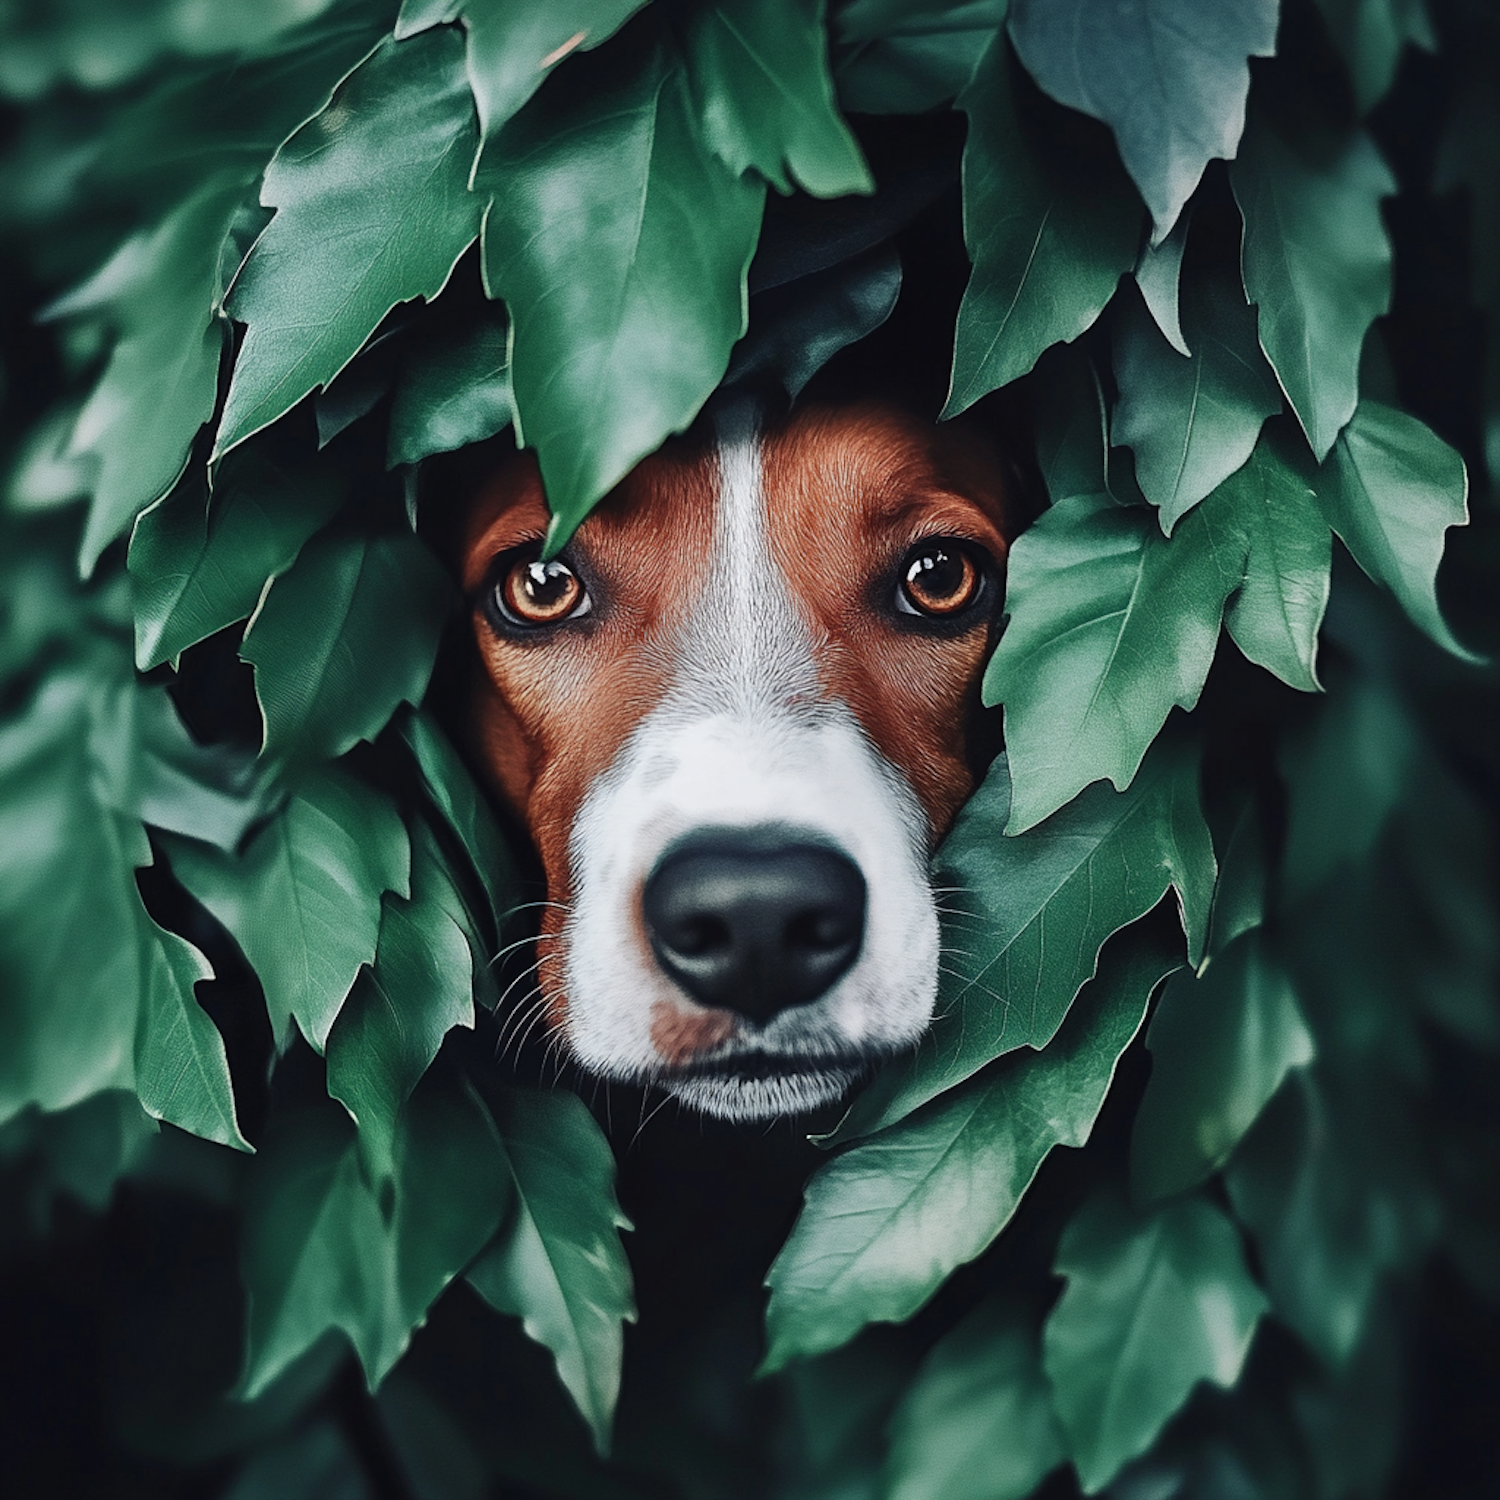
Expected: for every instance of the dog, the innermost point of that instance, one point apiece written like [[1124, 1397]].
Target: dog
[[734, 716]]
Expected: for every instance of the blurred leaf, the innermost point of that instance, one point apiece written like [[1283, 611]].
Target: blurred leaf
[[1158, 273], [1034, 912], [1192, 421], [976, 1423], [1317, 260], [620, 244], [759, 74], [1154, 1304], [321, 1252], [1391, 487], [198, 563], [1050, 231], [1169, 77], [885, 1222], [1371, 34], [372, 210], [908, 56], [303, 900], [344, 636], [450, 392], [160, 291], [559, 1266], [316, 1462], [1221, 1043], [419, 988]]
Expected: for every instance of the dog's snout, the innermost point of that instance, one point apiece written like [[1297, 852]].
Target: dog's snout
[[755, 924]]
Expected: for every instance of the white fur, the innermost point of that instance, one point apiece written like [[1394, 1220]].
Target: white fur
[[745, 736]]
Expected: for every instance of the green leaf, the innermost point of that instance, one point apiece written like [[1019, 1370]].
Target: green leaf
[[513, 44], [1154, 1304], [1220, 1045], [976, 1423], [1050, 230], [320, 1252], [559, 1266], [759, 75], [1191, 421], [1111, 624], [1370, 34], [161, 292], [908, 56], [620, 244], [303, 900], [1035, 911], [1072, 435], [199, 564], [372, 209], [1158, 273], [886, 1222], [451, 391], [1169, 77], [1317, 261], [419, 988], [341, 638], [1391, 488]]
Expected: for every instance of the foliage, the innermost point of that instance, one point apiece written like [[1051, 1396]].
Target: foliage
[[1219, 921]]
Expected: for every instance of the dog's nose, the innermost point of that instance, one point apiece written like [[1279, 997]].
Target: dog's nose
[[752, 923]]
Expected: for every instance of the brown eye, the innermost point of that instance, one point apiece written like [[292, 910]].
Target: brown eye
[[939, 578], [531, 592]]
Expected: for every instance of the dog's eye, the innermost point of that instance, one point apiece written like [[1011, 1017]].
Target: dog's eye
[[531, 592], [939, 578]]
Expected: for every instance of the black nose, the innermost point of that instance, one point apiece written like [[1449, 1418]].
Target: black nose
[[752, 922]]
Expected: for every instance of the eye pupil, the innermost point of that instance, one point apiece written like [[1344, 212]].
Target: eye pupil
[[940, 579], [540, 593]]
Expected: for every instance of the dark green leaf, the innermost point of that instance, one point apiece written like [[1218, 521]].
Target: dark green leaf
[[1072, 437], [303, 901], [1049, 232], [619, 243], [1317, 261], [1191, 421], [1371, 34], [315, 1462], [1391, 488], [1158, 272], [885, 1222], [320, 1252], [1154, 1304], [372, 210], [976, 1423], [908, 56], [1035, 911], [198, 564], [419, 988], [559, 1266], [1220, 1045], [341, 638], [451, 391], [1169, 77], [759, 74]]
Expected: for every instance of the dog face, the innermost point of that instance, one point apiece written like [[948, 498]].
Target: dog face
[[732, 717]]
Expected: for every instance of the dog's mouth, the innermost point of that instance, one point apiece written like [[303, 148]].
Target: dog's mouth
[[756, 1084]]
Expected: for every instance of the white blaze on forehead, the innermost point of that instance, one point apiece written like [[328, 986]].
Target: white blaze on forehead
[[746, 736]]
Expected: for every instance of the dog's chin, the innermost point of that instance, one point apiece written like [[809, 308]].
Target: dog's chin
[[750, 1096]]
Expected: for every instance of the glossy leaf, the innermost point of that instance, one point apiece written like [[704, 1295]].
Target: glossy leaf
[[199, 564], [1169, 77], [320, 1251], [1191, 421], [909, 56], [1391, 488], [559, 1266], [759, 74], [1034, 911], [620, 244], [303, 900], [1317, 260], [885, 1222], [1371, 35], [389, 1029], [372, 209], [1049, 232], [451, 392], [344, 636], [1154, 1304], [1221, 1043]]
